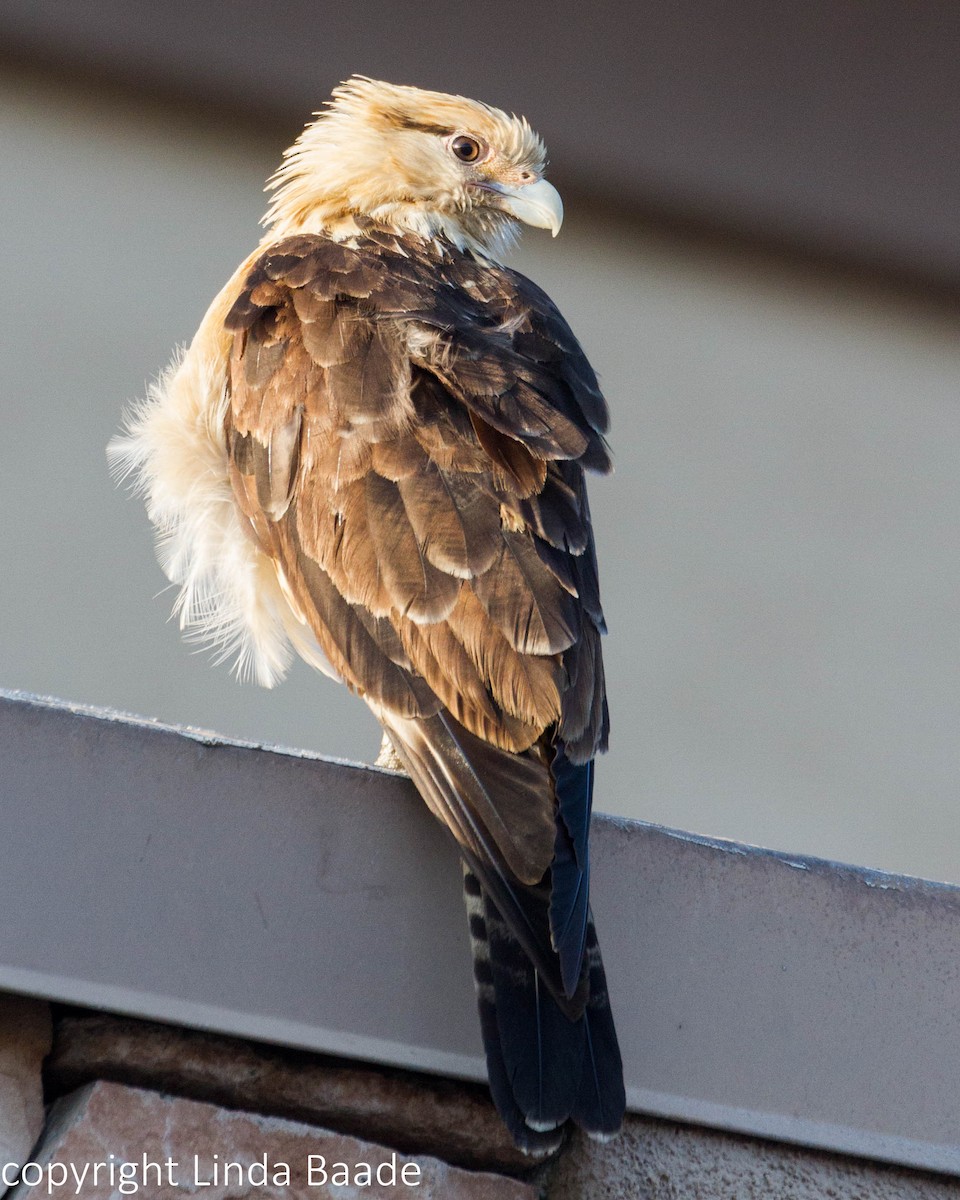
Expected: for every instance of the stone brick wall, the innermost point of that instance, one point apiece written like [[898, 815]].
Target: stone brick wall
[[127, 1138], [181, 1113], [99, 1106]]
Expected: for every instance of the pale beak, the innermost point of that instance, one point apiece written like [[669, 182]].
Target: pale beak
[[536, 204]]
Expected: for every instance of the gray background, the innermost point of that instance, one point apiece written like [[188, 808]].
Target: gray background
[[778, 545]]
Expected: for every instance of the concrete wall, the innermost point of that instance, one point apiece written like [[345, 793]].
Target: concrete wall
[[657, 1160], [778, 545]]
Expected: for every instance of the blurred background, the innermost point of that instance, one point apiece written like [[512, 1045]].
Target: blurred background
[[762, 259]]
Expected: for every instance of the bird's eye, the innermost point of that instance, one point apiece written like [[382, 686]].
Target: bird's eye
[[467, 149]]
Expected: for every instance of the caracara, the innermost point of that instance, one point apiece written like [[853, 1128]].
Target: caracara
[[373, 454]]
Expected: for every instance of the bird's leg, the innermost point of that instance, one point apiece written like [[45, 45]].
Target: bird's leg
[[388, 757]]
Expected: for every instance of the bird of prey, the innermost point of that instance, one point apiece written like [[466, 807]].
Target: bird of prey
[[372, 454]]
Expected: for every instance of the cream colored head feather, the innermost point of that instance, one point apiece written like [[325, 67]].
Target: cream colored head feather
[[415, 161]]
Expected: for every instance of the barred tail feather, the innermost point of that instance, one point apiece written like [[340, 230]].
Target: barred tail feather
[[544, 1068], [601, 1098], [532, 1141]]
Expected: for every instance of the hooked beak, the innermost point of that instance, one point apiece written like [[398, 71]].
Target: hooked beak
[[536, 204]]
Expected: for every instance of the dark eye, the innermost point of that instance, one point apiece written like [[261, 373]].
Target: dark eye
[[467, 149]]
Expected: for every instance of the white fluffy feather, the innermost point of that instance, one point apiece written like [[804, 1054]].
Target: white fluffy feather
[[230, 597]]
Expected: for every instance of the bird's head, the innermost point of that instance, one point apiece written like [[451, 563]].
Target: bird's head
[[414, 161]]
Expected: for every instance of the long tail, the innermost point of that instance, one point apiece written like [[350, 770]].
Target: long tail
[[544, 1068]]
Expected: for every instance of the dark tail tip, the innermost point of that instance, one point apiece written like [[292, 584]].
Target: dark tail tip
[[545, 1069]]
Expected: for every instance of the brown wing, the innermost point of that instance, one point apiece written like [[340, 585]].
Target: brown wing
[[407, 432]]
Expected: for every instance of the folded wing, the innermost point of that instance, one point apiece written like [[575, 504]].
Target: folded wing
[[408, 430]]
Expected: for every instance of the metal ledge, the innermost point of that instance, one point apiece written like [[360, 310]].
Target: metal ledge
[[175, 875]]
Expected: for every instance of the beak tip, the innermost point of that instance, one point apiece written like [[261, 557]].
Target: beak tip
[[536, 203]]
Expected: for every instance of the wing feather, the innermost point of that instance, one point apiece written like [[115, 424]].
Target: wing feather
[[456, 522], [522, 599], [415, 586], [526, 685], [359, 646]]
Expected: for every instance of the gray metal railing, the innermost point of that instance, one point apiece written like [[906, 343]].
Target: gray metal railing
[[172, 874]]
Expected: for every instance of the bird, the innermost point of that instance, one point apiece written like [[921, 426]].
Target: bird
[[373, 455]]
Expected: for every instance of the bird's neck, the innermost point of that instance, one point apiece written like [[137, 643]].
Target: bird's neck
[[488, 237]]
